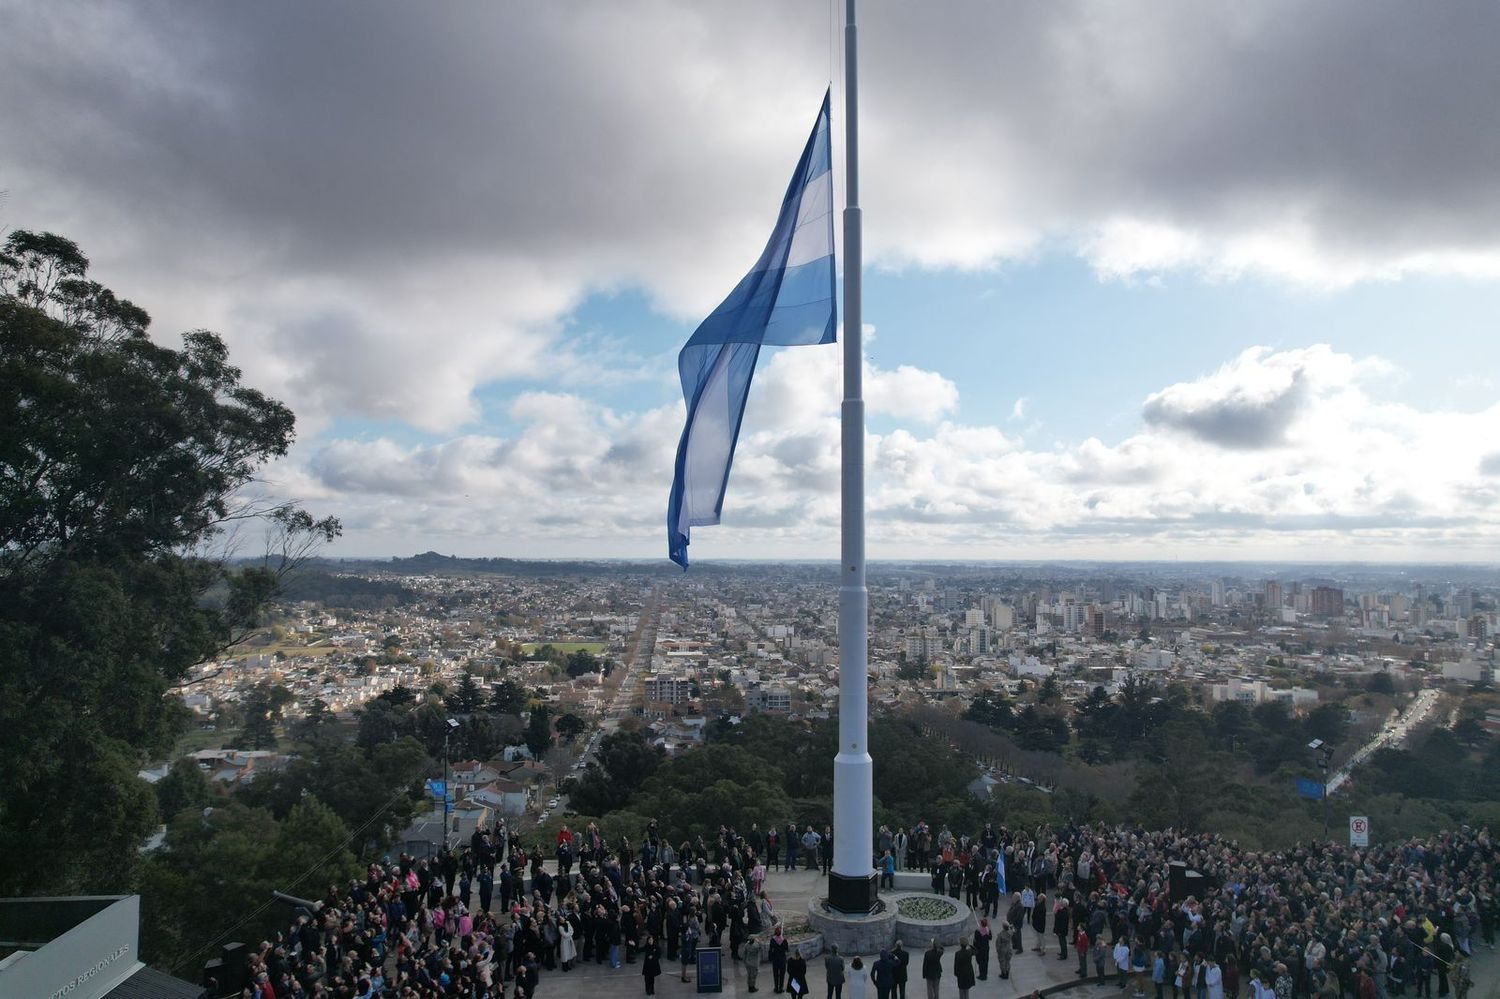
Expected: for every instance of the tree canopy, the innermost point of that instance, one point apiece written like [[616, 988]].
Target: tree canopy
[[122, 464]]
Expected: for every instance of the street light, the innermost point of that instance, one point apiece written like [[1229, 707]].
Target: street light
[[1325, 757], [443, 802]]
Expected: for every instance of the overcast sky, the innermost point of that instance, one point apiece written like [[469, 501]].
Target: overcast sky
[[1169, 280]]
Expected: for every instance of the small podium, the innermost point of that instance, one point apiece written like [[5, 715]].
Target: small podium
[[710, 970]]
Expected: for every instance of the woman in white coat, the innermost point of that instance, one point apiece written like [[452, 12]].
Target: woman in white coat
[[855, 979], [567, 950], [1213, 977]]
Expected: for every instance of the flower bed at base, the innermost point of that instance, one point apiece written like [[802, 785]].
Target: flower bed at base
[[926, 907], [925, 916]]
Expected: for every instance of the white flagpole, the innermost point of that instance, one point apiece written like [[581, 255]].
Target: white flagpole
[[853, 886]]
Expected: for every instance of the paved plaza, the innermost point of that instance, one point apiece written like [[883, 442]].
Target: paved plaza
[[790, 893]]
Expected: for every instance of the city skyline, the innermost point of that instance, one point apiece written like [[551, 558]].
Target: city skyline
[[1114, 317]]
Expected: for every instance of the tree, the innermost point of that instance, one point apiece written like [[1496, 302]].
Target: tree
[[120, 463], [570, 726], [624, 762], [508, 698], [380, 722], [1329, 722], [397, 696], [1049, 692], [362, 790], [184, 786], [217, 868], [478, 737], [1041, 732], [581, 663], [992, 708], [263, 710], [466, 698], [539, 731], [316, 724]]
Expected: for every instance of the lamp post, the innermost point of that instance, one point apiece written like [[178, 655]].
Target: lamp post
[[443, 801], [1325, 757]]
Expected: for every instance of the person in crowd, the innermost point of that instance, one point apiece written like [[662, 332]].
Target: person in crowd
[[779, 954], [1122, 963], [963, 967], [1061, 921], [1039, 923], [752, 960], [984, 939], [1004, 950], [811, 840], [1015, 916], [650, 964], [833, 973], [796, 973], [932, 968], [859, 978], [883, 975]]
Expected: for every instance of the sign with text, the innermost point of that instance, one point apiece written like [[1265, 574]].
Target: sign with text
[[1359, 830]]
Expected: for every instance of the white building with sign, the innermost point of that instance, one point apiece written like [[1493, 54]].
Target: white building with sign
[[85, 947]]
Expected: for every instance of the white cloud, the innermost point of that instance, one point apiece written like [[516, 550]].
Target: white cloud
[[1350, 476]]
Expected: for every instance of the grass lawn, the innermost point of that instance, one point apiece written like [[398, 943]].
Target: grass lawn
[[566, 648], [195, 739], [290, 651]]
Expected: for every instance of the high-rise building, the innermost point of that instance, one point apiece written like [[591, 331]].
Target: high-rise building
[[1274, 598], [1216, 592], [669, 688], [1094, 623], [1326, 601], [924, 646]]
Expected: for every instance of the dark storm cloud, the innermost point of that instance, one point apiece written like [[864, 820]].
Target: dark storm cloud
[[1241, 419]]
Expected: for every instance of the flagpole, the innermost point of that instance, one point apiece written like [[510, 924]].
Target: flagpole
[[853, 885]]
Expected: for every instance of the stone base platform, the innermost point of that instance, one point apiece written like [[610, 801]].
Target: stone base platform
[[864, 935]]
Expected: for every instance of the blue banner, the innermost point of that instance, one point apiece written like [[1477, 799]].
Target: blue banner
[[1309, 788]]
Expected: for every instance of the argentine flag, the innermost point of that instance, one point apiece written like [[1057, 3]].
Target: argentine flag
[[785, 300]]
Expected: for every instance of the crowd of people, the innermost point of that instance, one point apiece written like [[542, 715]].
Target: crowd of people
[[497, 919], [1317, 922], [488, 921]]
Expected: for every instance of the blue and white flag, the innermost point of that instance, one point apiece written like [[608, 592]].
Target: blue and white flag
[[787, 299], [1000, 873]]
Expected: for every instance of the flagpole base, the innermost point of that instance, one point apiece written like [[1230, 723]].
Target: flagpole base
[[853, 895]]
